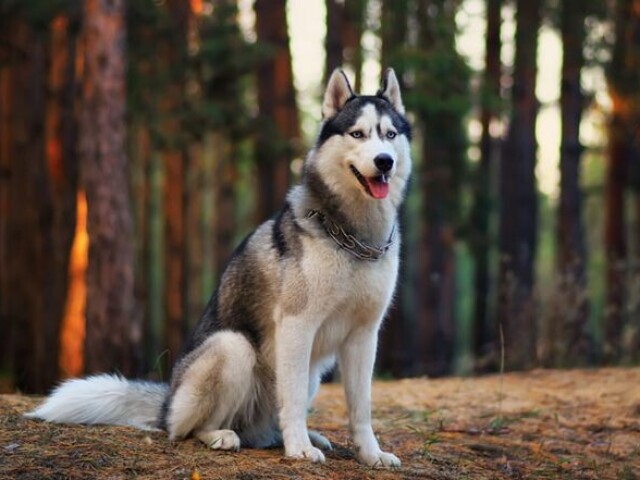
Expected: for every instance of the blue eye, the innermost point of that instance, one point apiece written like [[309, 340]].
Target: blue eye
[[391, 135], [356, 134]]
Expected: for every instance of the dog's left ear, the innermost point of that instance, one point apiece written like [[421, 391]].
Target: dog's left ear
[[337, 94], [390, 89]]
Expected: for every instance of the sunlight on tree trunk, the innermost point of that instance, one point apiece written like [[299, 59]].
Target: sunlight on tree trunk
[[74, 322]]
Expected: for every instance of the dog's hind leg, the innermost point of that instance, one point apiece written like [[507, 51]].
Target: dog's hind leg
[[214, 390]]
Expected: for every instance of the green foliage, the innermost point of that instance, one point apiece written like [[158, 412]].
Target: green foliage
[[38, 13], [223, 64], [209, 78], [440, 98]]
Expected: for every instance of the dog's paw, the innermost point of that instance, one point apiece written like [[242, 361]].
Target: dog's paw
[[220, 439], [378, 458], [306, 453], [318, 440]]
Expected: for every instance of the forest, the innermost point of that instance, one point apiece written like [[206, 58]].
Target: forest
[[141, 140]]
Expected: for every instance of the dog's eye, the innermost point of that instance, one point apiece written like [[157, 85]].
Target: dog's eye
[[391, 135], [357, 134]]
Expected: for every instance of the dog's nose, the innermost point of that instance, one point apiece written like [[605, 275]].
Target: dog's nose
[[384, 162]]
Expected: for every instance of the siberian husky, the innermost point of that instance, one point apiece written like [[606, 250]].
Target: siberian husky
[[306, 289]]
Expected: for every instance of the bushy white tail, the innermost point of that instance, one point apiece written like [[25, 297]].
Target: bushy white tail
[[104, 399]]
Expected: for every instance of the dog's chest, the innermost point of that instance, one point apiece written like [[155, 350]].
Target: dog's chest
[[336, 278], [346, 293]]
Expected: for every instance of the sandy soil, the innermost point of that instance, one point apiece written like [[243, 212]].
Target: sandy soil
[[543, 424]]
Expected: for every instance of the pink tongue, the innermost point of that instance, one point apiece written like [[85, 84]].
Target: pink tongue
[[379, 189]]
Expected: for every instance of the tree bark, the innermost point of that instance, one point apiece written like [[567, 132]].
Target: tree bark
[[226, 174], [279, 130], [352, 30], [484, 331], [623, 79], [519, 202], [176, 160], [570, 344], [6, 94], [62, 155], [30, 305], [113, 334], [333, 41], [443, 147], [174, 295], [398, 350]]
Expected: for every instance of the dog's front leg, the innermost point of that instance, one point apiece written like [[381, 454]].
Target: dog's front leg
[[294, 340], [357, 357]]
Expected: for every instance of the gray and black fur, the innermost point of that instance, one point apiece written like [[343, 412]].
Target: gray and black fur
[[289, 303]]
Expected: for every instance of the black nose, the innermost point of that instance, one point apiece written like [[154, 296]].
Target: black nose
[[384, 162]]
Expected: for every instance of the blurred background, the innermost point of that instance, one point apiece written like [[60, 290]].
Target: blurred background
[[141, 140]]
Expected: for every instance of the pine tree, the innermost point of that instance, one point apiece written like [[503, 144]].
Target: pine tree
[[572, 345], [518, 197], [623, 79], [441, 71], [279, 129], [484, 331], [113, 336]]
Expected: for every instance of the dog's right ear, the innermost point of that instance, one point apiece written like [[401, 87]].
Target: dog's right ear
[[337, 94]]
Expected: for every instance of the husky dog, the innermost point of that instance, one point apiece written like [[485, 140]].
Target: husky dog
[[306, 288]]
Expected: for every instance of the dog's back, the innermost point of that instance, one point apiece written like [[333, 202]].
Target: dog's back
[[308, 287]]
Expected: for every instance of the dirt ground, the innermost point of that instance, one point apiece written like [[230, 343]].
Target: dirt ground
[[543, 424]]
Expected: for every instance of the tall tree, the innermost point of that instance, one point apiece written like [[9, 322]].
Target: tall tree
[[113, 333], [333, 42], [570, 342], [29, 221], [176, 161], [61, 132], [623, 78], [443, 73], [484, 331], [346, 21], [39, 195], [279, 130], [518, 197], [398, 352]]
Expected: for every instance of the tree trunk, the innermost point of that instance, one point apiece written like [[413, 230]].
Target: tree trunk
[[570, 345], [398, 352], [623, 80], [194, 258], [33, 311], [61, 137], [113, 332], [394, 27], [208, 217], [6, 94], [615, 240], [519, 202], [155, 261], [443, 148], [174, 295], [176, 165], [352, 29], [333, 41], [484, 331], [226, 203], [345, 25], [279, 130]]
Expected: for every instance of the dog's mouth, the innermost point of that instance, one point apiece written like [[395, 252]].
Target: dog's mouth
[[377, 187]]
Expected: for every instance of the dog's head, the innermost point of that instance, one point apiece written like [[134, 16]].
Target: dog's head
[[363, 147]]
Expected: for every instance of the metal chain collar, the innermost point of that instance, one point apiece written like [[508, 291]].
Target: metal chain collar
[[350, 243]]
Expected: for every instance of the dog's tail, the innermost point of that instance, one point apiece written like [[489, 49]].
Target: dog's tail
[[105, 399]]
